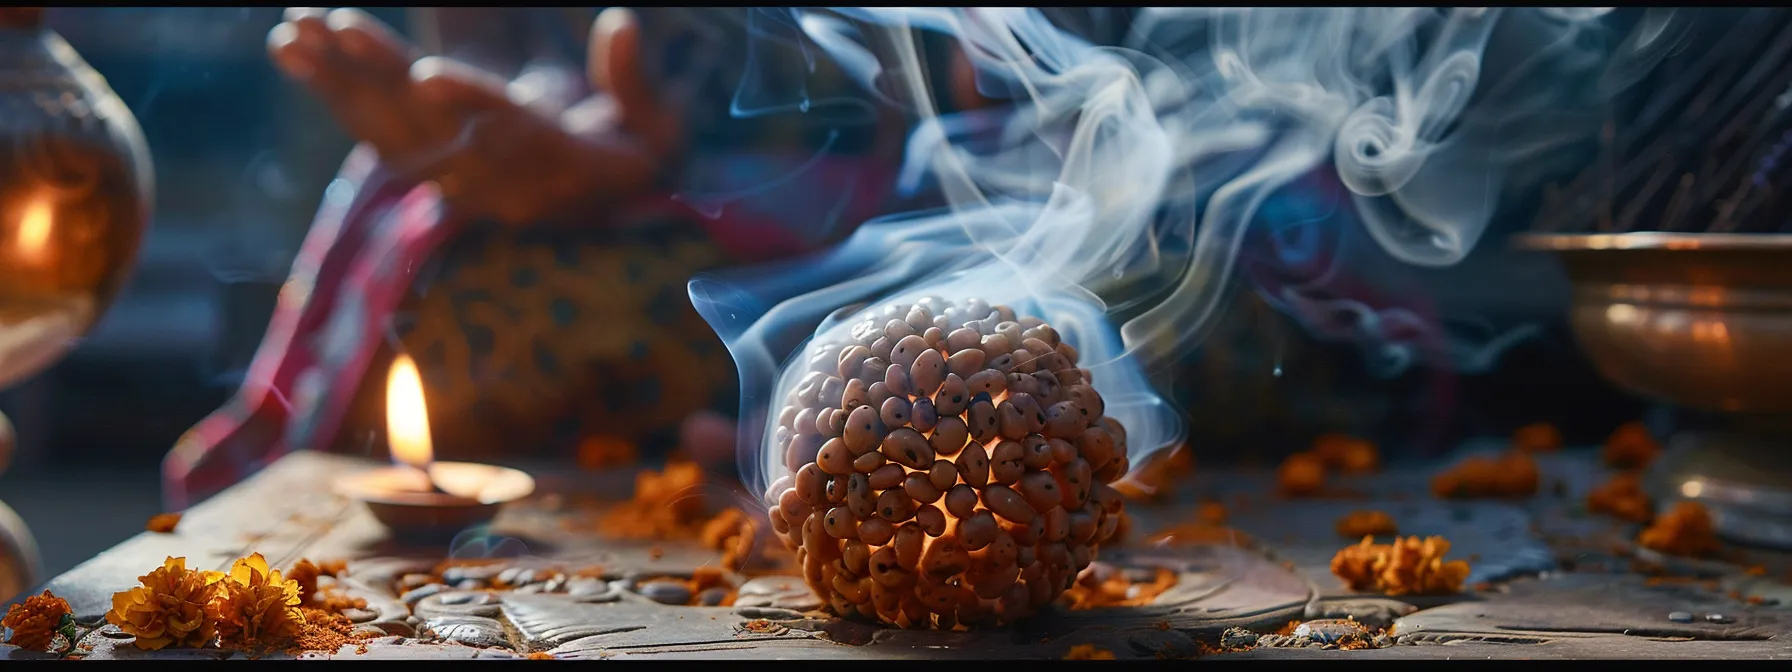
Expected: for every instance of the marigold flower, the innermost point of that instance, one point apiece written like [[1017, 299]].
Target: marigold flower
[[1537, 437], [1301, 474], [1088, 652], [162, 523], [667, 504], [1622, 497], [305, 573], [1112, 588], [732, 533], [1510, 475], [606, 452], [1347, 454], [1685, 530], [1409, 566], [1630, 446], [172, 607], [258, 606], [36, 621], [1211, 513]]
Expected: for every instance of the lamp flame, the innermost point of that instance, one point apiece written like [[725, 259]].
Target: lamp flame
[[407, 421], [34, 227]]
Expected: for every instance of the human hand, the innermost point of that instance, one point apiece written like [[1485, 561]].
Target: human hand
[[488, 146]]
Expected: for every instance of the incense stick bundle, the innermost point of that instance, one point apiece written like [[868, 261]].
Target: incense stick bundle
[[1697, 145]]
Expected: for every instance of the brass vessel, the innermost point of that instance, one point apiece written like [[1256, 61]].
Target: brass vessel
[[75, 194], [1702, 321], [75, 191]]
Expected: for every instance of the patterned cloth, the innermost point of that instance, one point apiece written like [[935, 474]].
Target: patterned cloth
[[527, 338]]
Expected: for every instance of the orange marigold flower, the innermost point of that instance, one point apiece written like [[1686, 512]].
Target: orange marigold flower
[[36, 621], [1631, 446], [732, 533], [604, 452], [1301, 474], [1088, 652], [1537, 437], [162, 523], [257, 606], [1211, 513], [1101, 589], [1622, 497], [1347, 454], [1409, 566], [305, 573], [172, 607], [667, 504], [1685, 530], [1512, 474]]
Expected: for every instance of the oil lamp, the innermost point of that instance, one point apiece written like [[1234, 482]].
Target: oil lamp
[[420, 498], [75, 192]]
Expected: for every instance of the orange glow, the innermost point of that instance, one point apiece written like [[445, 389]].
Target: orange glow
[[35, 224], [407, 421]]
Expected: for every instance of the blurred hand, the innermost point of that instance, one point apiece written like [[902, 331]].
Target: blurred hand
[[495, 149]]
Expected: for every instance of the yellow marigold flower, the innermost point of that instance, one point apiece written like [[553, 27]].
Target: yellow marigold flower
[[305, 573], [1088, 652], [36, 621], [172, 607], [257, 606]]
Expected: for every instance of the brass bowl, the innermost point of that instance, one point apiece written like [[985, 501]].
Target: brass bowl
[[1702, 321], [1699, 320]]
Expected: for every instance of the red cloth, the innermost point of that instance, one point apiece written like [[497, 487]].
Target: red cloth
[[367, 242]]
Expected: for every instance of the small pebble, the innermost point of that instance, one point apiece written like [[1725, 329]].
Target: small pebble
[[457, 598], [461, 573], [1680, 617], [666, 592], [415, 595], [1718, 618], [587, 586], [1238, 638], [359, 615], [470, 584], [1330, 630], [712, 597], [410, 581]]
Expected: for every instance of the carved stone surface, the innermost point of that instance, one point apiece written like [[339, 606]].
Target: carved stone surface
[[577, 629], [556, 587], [1579, 605]]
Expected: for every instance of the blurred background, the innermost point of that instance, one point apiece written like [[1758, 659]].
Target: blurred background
[[242, 158]]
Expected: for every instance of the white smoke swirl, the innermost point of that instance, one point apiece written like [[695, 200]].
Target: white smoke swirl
[[1120, 162]]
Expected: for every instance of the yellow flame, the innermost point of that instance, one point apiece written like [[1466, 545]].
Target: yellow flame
[[35, 224], [407, 421]]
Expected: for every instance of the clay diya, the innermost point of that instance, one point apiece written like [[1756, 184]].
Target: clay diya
[[420, 498]]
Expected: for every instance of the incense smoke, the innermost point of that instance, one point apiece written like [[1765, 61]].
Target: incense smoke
[[1146, 162]]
